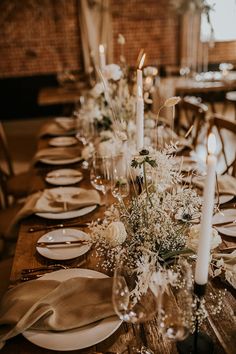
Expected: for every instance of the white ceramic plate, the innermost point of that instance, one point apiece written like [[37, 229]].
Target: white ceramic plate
[[64, 177], [68, 214], [49, 161], [63, 252], [63, 141], [226, 215], [78, 338]]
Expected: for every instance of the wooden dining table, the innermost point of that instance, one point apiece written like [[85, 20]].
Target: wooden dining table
[[220, 327]]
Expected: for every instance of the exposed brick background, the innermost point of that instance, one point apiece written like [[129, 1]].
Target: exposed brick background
[[42, 36]]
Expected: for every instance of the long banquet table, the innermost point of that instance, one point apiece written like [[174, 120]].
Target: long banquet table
[[220, 327]]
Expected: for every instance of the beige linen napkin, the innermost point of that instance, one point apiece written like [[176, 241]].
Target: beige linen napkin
[[55, 128], [59, 153], [226, 184], [53, 305], [51, 201]]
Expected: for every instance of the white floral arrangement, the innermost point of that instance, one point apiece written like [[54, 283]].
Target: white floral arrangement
[[155, 222], [158, 224]]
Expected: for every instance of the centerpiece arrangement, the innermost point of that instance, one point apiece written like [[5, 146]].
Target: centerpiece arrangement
[[157, 226]]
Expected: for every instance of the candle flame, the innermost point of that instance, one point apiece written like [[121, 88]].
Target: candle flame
[[142, 61], [211, 143], [101, 48]]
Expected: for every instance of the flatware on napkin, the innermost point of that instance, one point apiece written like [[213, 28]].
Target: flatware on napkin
[[50, 305]]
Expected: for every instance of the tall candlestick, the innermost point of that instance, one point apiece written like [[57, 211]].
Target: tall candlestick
[[139, 82], [102, 57], [139, 120], [203, 254], [140, 76]]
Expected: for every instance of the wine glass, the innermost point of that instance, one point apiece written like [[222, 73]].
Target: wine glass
[[119, 179], [175, 307], [133, 296], [100, 174]]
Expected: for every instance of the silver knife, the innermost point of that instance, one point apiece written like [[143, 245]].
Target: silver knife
[[62, 243]]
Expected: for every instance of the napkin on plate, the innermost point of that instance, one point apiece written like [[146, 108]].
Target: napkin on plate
[[52, 201], [58, 153], [53, 305], [55, 128], [226, 183]]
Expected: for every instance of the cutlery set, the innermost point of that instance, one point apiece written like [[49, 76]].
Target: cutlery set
[[50, 227], [38, 272], [62, 243]]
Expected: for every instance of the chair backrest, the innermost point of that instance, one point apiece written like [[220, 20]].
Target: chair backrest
[[4, 149], [221, 124], [191, 116]]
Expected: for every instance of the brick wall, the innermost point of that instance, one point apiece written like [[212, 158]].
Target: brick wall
[[42, 36], [38, 37], [148, 25], [223, 51]]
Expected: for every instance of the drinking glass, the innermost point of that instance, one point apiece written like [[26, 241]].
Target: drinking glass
[[134, 301], [119, 179], [175, 307], [100, 174]]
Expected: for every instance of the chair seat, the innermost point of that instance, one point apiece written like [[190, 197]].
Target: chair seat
[[18, 185]]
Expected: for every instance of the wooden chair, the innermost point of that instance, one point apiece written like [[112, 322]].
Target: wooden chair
[[12, 184], [191, 116], [228, 147]]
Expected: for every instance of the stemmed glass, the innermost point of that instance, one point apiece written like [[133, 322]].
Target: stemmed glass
[[119, 179], [176, 305], [100, 174], [134, 298]]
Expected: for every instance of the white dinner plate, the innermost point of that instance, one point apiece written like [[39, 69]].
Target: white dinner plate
[[225, 215], [49, 161], [63, 141], [78, 338], [64, 177], [64, 252]]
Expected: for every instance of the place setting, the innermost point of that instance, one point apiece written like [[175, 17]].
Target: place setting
[[58, 155], [57, 204], [59, 127], [63, 141], [64, 177], [63, 244]]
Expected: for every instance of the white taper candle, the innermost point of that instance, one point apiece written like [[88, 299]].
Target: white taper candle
[[139, 120], [204, 243], [102, 57]]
